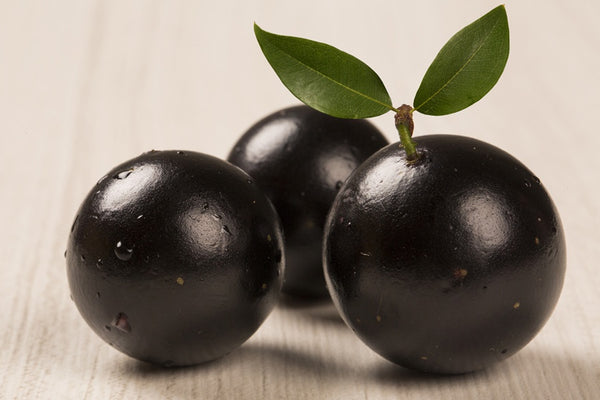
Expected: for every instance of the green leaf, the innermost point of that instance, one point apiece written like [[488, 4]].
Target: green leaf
[[325, 78], [467, 67]]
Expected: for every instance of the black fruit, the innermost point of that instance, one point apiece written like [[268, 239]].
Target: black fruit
[[449, 264], [300, 158], [175, 258]]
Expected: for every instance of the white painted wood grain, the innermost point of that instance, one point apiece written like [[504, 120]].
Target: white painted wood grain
[[85, 85]]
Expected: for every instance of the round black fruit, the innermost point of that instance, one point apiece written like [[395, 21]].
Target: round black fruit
[[300, 158], [447, 264], [175, 257]]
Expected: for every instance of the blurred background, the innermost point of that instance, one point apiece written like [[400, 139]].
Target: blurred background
[[85, 85]]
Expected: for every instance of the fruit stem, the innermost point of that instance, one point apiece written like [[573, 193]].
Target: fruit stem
[[405, 127]]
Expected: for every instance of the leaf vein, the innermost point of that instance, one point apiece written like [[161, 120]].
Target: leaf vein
[[460, 69], [319, 73]]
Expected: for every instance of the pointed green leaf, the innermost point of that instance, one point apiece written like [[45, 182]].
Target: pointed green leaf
[[467, 67], [325, 78]]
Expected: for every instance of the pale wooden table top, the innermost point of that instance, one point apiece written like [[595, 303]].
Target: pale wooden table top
[[87, 84]]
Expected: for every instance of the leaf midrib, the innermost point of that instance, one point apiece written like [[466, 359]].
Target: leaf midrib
[[388, 106], [461, 68]]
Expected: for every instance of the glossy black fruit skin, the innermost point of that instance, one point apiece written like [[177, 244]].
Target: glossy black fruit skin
[[448, 265], [175, 258], [300, 158]]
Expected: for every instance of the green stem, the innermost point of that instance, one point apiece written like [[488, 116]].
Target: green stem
[[405, 127]]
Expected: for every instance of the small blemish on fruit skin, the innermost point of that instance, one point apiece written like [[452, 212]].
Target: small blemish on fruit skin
[[537, 240], [121, 322], [378, 318], [180, 281], [424, 358], [516, 305], [460, 273], [269, 238]]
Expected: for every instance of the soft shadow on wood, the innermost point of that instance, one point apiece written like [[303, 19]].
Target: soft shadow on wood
[[266, 370], [545, 374], [319, 310], [272, 358]]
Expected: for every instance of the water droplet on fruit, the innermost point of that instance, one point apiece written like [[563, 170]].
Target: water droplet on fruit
[[99, 263], [225, 229], [349, 224], [65, 254], [140, 216], [527, 183], [338, 185], [504, 351], [181, 153], [205, 206], [537, 180], [123, 252], [121, 322], [107, 327], [98, 295], [82, 257], [123, 174], [249, 181], [217, 217]]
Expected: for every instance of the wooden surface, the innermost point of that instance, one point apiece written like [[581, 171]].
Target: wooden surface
[[85, 85]]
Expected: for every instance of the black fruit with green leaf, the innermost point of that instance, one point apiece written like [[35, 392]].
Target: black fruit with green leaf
[[175, 258], [300, 157], [443, 253]]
